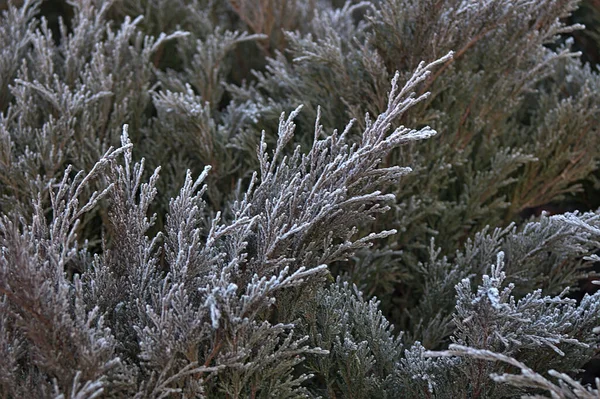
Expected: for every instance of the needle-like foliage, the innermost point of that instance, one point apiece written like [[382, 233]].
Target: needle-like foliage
[[283, 199]]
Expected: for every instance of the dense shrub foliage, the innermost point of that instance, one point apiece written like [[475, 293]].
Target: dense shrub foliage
[[298, 198]]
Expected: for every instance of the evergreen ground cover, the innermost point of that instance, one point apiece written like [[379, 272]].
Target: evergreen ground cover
[[299, 198]]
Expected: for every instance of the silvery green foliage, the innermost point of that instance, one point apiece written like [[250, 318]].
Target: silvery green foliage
[[191, 308], [188, 113], [363, 349], [551, 332], [366, 356], [53, 341], [548, 331], [543, 254], [14, 39], [80, 90], [195, 16], [213, 253], [542, 322], [342, 180], [514, 144], [567, 387]]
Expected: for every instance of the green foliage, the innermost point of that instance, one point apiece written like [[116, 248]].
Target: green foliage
[[206, 198]]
